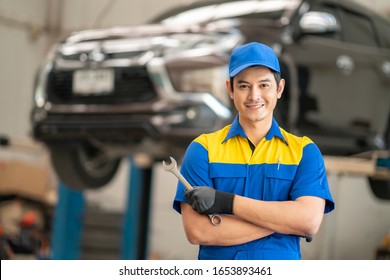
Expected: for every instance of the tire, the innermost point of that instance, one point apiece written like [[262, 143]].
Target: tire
[[381, 188], [81, 166]]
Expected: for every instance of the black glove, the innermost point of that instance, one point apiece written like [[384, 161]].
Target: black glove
[[206, 200]]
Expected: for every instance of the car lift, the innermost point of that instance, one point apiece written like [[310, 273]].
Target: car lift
[[68, 222], [68, 218], [375, 164]]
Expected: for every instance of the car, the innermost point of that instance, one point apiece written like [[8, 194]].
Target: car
[[105, 94]]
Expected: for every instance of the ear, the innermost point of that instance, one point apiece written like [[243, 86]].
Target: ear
[[281, 88], [229, 88]]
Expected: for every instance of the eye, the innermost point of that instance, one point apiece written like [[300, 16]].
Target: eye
[[243, 86], [264, 85]]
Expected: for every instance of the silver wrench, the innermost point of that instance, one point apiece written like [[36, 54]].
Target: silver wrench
[[172, 167]]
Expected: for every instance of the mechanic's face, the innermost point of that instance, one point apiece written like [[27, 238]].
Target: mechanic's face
[[255, 94]]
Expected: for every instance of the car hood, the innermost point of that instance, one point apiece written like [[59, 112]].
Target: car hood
[[163, 40]]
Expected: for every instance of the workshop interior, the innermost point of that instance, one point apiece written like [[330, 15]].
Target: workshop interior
[[101, 98]]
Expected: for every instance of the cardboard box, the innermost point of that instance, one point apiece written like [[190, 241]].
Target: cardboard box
[[25, 170]]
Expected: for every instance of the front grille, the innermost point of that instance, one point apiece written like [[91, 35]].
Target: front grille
[[131, 85]]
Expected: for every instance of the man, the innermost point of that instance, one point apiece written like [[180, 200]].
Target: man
[[269, 186]]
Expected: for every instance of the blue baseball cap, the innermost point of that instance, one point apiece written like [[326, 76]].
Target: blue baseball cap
[[252, 54]]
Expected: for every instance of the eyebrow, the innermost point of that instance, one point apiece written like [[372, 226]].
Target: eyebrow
[[261, 81]]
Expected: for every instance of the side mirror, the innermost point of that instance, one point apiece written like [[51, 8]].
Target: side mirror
[[318, 23]]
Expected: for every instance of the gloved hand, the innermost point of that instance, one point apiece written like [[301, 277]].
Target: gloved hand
[[206, 200]]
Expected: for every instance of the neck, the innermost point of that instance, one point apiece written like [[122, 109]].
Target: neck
[[256, 131]]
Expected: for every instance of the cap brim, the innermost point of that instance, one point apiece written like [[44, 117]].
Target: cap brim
[[237, 70]]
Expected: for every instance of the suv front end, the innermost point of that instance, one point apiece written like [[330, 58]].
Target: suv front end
[[104, 94]]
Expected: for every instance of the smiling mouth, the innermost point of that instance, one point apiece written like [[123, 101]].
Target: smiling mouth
[[254, 106]]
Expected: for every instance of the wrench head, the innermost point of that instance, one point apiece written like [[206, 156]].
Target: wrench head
[[169, 167]]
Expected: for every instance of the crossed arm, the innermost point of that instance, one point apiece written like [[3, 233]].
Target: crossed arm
[[231, 231], [254, 219]]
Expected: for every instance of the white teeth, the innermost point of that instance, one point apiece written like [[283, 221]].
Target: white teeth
[[255, 106]]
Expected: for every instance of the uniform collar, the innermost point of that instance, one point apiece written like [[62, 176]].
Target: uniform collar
[[236, 129]]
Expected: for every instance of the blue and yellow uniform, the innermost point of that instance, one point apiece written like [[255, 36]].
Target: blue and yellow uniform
[[281, 167]]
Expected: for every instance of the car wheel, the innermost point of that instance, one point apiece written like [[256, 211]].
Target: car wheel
[[381, 188], [81, 166]]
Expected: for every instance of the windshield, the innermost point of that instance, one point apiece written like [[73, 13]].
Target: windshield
[[265, 9]]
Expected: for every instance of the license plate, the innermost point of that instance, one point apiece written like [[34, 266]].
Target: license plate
[[92, 82]]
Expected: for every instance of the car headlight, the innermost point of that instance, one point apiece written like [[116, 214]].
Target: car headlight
[[205, 76], [41, 79], [40, 86]]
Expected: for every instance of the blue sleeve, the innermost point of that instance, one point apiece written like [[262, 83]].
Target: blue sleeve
[[195, 168], [310, 179]]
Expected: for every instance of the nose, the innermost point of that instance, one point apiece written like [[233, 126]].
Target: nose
[[255, 94]]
